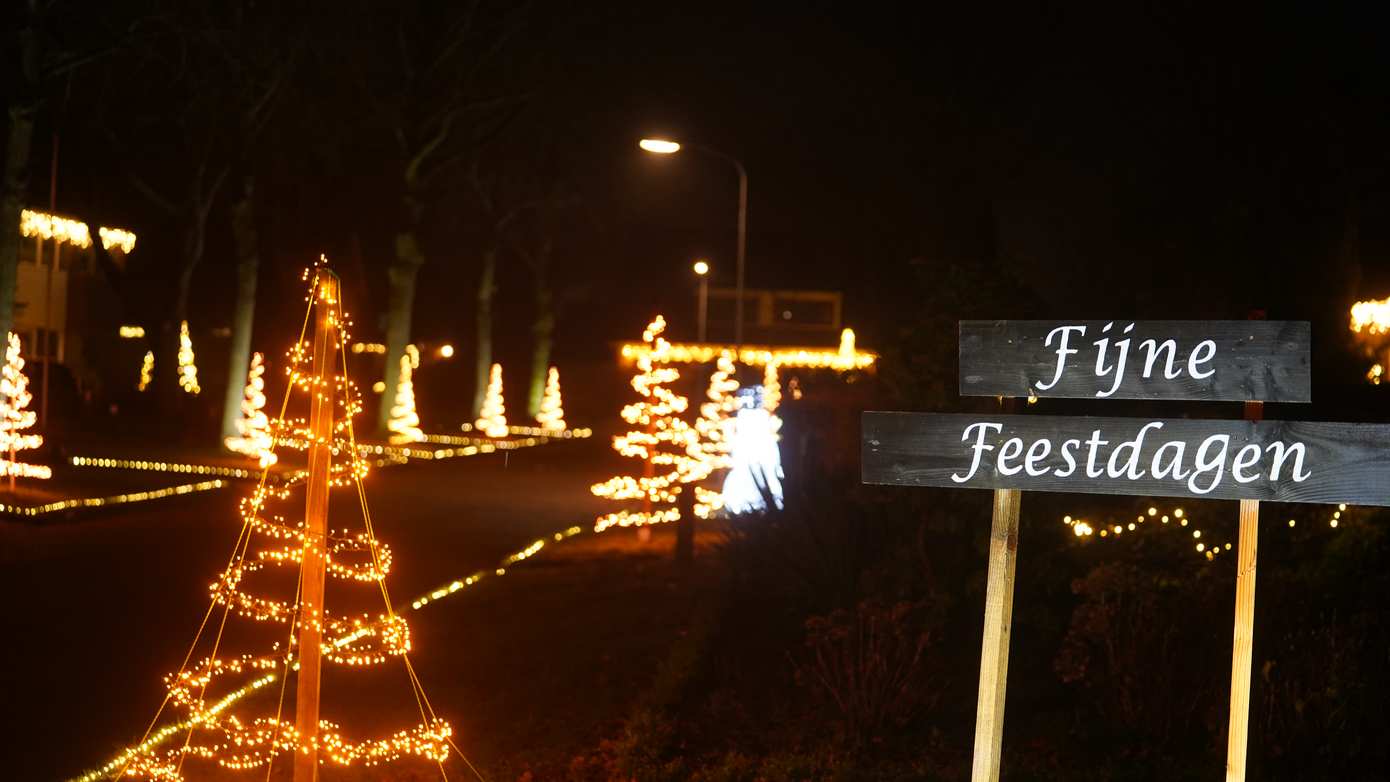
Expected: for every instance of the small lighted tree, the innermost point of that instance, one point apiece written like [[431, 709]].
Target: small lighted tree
[[668, 447], [146, 371], [15, 417], [716, 428], [405, 421], [253, 427], [492, 419], [552, 414], [188, 369]]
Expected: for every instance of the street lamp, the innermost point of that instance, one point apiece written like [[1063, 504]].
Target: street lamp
[[667, 147], [702, 271]]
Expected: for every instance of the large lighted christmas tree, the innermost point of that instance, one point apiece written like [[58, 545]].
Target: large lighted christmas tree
[[667, 446], [405, 422], [253, 427], [492, 419], [552, 413], [15, 417], [227, 714]]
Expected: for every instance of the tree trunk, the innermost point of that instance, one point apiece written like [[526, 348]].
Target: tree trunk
[[543, 334], [487, 287], [15, 190], [248, 263], [400, 304]]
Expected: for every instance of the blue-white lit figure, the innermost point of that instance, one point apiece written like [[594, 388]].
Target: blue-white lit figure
[[755, 472]]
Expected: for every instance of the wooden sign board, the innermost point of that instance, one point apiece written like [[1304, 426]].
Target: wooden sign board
[[1240, 360], [1281, 461]]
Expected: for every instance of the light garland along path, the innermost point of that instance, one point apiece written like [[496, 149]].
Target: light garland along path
[[158, 737], [77, 503], [391, 455], [1082, 528]]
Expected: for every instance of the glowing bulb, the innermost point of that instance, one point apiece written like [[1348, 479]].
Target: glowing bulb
[[659, 146], [701, 268]]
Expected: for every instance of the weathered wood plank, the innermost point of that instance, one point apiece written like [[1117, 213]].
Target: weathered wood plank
[[1278, 461], [1235, 360]]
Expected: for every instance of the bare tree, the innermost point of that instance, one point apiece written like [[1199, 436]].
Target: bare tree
[[436, 84], [218, 70], [37, 60]]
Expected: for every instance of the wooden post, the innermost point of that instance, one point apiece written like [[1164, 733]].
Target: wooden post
[[999, 613], [306, 760], [1244, 644], [994, 652]]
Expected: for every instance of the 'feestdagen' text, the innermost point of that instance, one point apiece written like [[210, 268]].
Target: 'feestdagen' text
[[1210, 462]]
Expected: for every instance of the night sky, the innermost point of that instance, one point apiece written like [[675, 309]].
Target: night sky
[[1159, 160]]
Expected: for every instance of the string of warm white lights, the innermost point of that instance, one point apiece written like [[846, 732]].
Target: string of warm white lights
[[116, 239], [1082, 528], [59, 506], [846, 357], [551, 416], [16, 417], [237, 742], [404, 423], [60, 229], [254, 425], [492, 418], [668, 446], [532, 431]]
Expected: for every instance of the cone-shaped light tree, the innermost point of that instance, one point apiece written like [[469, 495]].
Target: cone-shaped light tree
[[492, 421], [146, 371], [217, 720], [15, 417], [667, 446], [552, 414], [405, 422], [253, 428], [188, 368]]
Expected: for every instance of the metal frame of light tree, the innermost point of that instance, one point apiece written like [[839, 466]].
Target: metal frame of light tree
[[312, 634]]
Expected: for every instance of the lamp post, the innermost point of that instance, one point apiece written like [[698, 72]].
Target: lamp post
[[668, 147], [702, 271]]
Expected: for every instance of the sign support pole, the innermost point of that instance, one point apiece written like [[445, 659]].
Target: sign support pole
[[1242, 648], [994, 653], [999, 613]]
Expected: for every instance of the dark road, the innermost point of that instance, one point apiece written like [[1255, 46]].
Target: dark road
[[101, 608]]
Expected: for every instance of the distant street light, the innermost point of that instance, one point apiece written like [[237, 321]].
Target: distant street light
[[659, 146], [668, 147], [702, 271]]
